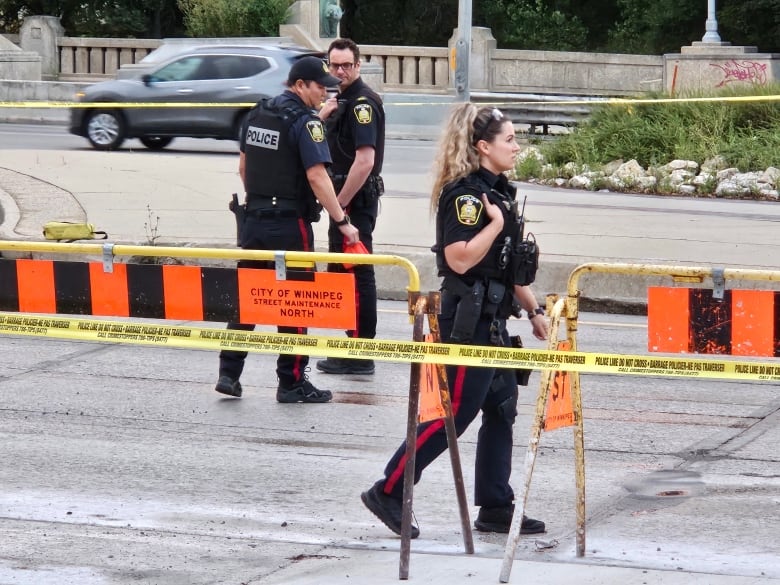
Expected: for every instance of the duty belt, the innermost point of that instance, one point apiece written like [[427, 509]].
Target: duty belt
[[261, 206]]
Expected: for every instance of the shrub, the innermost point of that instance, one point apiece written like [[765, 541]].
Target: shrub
[[745, 133], [234, 18]]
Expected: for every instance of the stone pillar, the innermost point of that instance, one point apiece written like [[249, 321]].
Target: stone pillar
[[18, 65], [303, 25], [39, 35], [483, 44], [708, 67]]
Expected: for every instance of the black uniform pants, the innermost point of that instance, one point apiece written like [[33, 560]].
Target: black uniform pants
[[492, 390], [362, 211], [270, 233]]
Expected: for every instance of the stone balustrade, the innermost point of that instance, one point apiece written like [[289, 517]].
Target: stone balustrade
[[419, 69], [84, 58]]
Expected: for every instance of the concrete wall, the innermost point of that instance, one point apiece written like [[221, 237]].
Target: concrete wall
[[571, 73], [706, 67]]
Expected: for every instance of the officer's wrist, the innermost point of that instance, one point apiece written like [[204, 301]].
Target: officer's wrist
[[535, 313], [344, 221]]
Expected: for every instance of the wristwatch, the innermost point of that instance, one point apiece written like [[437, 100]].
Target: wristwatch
[[344, 221], [536, 311]]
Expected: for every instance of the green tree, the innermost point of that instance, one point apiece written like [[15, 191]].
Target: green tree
[[658, 27], [99, 18], [533, 24], [234, 18], [751, 22], [400, 22]]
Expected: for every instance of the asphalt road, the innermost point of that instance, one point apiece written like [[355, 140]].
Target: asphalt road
[[412, 156], [122, 465]]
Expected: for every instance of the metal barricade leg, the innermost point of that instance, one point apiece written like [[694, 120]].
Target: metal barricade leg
[[530, 457], [421, 306]]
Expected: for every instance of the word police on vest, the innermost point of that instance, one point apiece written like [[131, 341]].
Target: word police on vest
[[262, 137]]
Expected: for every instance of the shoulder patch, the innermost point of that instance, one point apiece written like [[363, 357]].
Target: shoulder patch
[[316, 131], [468, 208], [364, 113]]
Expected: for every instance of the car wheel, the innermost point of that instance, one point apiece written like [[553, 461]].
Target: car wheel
[[105, 129], [156, 142]]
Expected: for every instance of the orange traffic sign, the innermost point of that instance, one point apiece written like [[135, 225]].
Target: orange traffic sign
[[560, 412], [310, 299]]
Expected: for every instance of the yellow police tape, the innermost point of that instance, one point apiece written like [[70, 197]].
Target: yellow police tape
[[590, 102], [186, 337]]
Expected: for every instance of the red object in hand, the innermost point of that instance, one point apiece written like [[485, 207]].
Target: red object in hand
[[356, 248]]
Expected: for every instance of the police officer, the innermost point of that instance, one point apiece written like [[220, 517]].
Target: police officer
[[355, 122], [486, 266], [283, 167]]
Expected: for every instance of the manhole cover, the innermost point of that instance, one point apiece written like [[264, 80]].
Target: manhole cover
[[666, 484]]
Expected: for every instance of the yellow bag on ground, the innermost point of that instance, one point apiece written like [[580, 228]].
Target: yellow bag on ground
[[65, 230]]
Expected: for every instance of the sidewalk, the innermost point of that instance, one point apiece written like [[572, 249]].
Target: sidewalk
[[181, 199]]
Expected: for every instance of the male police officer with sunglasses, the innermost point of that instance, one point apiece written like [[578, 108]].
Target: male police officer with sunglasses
[[355, 122]]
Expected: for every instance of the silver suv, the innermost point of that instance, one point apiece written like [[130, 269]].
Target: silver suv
[[212, 74]]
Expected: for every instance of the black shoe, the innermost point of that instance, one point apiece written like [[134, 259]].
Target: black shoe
[[386, 508], [500, 519], [334, 365], [301, 391], [229, 386]]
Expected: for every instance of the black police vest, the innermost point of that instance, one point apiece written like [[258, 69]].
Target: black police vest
[[340, 139], [273, 165], [497, 262]]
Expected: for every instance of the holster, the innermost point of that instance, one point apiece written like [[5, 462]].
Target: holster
[[468, 312], [239, 210]]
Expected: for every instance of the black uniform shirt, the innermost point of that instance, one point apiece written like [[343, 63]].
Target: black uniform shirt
[[461, 211], [307, 132], [360, 121]]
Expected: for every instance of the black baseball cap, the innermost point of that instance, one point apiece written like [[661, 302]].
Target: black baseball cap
[[311, 69]]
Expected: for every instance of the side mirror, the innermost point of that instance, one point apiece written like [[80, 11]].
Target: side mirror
[[147, 79]]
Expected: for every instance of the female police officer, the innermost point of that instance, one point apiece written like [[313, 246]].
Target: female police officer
[[485, 270]]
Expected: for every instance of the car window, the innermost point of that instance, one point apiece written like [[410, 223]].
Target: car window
[[240, 66], [180, 70]]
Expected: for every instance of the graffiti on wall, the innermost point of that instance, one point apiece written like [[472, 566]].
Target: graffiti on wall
[[741, 72]]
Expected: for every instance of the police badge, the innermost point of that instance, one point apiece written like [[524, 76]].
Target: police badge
[[468, 209], [316, 130], [363, 113]]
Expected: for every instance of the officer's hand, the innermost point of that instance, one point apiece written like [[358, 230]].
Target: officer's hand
[[350, 233], [540, 327], [328, 107], [493, 211]]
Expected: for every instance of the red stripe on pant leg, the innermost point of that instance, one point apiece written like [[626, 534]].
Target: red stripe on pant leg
[[753, 322], [425, 435], [298, 371]]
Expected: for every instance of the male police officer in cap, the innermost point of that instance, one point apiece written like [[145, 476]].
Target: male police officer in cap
[[282, 165], [355, 120]]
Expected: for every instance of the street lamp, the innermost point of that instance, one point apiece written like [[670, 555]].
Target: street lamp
[[711, 27], [463, 52]]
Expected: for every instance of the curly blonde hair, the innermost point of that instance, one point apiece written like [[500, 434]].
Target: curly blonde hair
[[457, 153]]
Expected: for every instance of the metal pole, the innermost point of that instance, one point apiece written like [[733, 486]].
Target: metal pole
[[463, 52], [711, 27]]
